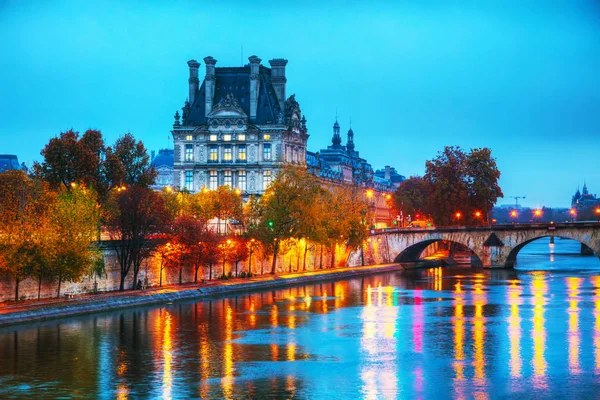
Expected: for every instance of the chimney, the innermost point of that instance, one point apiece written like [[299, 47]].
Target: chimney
[[278, 79], [209, 84], [388, 173], [193, 81], [254, 85]]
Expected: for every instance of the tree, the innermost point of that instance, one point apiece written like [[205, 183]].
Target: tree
[[411, 196], [132, 217], [279, 214], [483, 175], [24, 207], [73, 224], [133, 156], [239, 252], [225, 203]]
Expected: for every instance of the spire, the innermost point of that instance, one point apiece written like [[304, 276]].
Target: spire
[[337, 139], [585, 189], [350, 144]]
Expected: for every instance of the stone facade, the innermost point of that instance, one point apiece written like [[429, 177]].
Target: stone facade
[[237, 128]]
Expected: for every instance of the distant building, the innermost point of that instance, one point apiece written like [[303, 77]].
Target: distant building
[[390, 174], [163, 162], [586, 204], [11, 162]]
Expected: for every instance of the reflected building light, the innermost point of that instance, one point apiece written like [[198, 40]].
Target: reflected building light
[[573, 333], [324, 304], [227, 378], [307, 300], [458, 328], [596, 282], [291, 351], [369, 387], [538, 333], [167, 353], [417, 327], [290, 385], [204, 360], [274, 316], [514, 329], [369, 294], [274, 352], [379, 295], [479, 338]]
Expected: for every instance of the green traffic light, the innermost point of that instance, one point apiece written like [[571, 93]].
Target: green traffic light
[[271, 224]]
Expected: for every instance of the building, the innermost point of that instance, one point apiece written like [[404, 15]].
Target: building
[[237, 127], [11, 162], [390, 174], [586, 205], [163, 162]]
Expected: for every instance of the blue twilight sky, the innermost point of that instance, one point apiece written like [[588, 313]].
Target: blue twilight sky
[[519, 76]]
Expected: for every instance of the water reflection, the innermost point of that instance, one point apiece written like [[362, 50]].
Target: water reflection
[[470, 334]]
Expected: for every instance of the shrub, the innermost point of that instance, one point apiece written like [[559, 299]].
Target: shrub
[[243, 274]]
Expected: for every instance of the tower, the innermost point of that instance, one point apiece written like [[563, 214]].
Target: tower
[[350, 144], [337, 139]]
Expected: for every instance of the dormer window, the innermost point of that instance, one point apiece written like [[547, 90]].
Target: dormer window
[[189, 137], [241, 137], [267, 137], [227, 138], [213, 138]]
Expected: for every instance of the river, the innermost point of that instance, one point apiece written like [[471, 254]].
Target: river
[[439, 333]]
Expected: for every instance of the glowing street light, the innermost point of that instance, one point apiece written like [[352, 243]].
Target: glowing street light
[[573, 213], [537, 214], [597, 211], [369, 194], [457, 215]]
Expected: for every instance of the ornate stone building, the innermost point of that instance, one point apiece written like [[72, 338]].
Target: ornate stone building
[[237, 127], [163, 162]]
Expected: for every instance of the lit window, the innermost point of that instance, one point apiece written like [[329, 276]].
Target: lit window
[[242, 180], [241, 137], [189, 152], [267, 152], [267, 137], [212, 182], [242, 152], [189, 137], [266, 179], [227, 178], [189, 180], [227, 153], [213, 155], [213, 138], [227, 138]]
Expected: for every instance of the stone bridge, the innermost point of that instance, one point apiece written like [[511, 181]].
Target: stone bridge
[[495, 246]]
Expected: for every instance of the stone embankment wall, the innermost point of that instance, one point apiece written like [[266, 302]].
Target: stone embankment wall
[[292, 261]]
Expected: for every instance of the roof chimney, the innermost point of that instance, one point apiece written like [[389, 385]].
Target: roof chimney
[[388, 173], [193, 81], [278, 79], [209, 84], [254, 85]]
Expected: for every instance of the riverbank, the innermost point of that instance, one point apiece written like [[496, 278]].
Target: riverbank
[[14, 314]]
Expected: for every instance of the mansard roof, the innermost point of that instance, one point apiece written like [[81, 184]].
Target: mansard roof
[[236, 80]]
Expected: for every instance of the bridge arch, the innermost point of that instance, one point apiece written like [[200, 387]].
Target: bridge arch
[[413, 252], [511, 258]]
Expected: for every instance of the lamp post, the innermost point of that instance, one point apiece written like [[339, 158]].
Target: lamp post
[[458, 215], [514, 215], [573, 213], [597, 211], [537, 214]]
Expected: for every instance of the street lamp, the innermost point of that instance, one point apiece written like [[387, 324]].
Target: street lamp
[[514, 215], [537, 214], [457, 215], [597, 211], [573, 213]]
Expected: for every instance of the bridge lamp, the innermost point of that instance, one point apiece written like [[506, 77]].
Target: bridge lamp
[[369, 193], [477, 214], [597, 211], [513, 214], [573, 213], [458, 215], [537, 214]]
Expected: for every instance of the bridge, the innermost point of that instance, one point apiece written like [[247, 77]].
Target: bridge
[[494, 246]]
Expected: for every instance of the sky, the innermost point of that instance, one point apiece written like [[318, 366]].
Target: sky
[[521, 77]]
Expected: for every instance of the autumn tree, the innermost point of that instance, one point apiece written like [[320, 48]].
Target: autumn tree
[[70, 237], [24, 207], [462, 187], [239, 252], [135, 161], [411, 197], [132, 217]]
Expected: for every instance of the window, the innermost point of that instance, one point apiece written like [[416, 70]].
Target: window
[[212, 181], [213, 138], [242, 152], [266, 179], [227, 180], [189, 137], [242, 180], [227, 138], [213, 153], [267, 151], [241, 137], [267, 137], [189, 180], [227, 153], [189, 152]]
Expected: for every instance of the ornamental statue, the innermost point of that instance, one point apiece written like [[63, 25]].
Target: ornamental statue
[[228, 101]]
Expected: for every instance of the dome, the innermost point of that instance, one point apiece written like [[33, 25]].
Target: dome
[[165, 157]]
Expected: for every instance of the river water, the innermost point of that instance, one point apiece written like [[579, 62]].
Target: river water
[[438, 333]]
